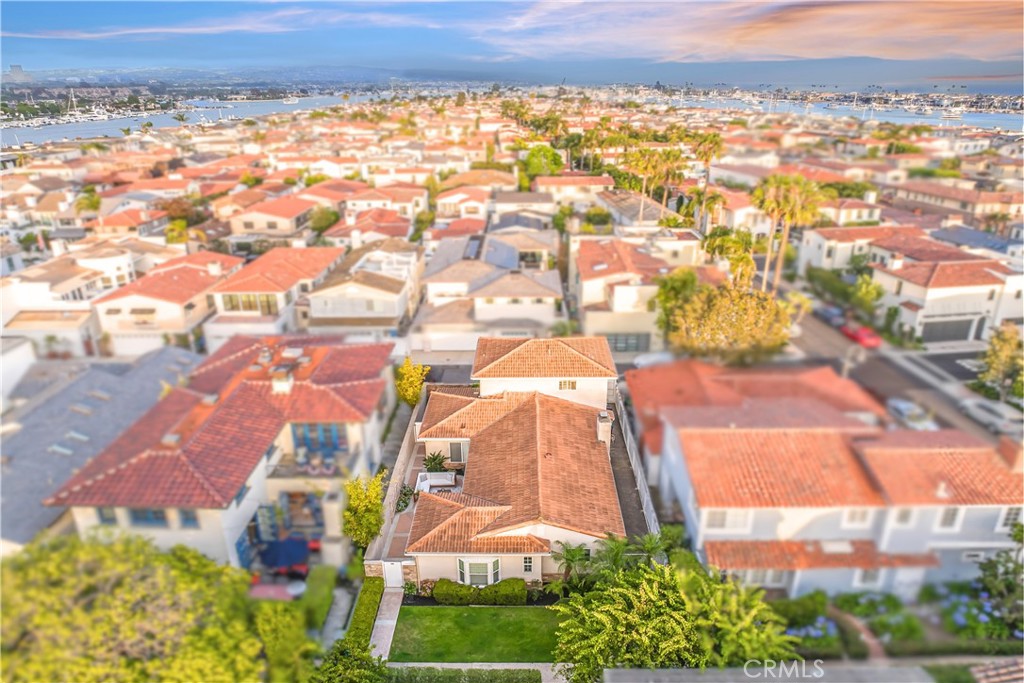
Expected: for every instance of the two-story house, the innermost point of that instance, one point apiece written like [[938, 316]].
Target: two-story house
[[168, 305], [260, 298], [254, 450], [832, 248], [577, 191], [283, 219], [374, 292]]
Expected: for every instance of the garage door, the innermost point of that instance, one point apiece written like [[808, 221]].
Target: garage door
[[949, 330]]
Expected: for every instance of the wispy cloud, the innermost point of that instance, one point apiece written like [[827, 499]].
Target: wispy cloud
[[288, 20], [731, 30]]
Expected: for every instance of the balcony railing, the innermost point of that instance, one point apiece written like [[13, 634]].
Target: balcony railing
[[318, 465]]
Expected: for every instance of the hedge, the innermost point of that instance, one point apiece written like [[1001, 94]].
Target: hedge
[[360, 627], [319, 595], [850, 635], [905, 648], [427, 674], [505, 592], [447, 592], [802, 611]]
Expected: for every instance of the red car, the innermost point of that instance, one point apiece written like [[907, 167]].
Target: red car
[[864, 336]]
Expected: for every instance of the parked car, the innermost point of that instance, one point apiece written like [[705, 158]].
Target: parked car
[[865, 336], [830, 315], [645, 360], [910, 415], [996, 417]]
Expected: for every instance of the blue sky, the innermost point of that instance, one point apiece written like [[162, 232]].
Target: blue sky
[[780, 41]]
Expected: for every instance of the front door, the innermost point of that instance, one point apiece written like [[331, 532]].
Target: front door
[[907, 583], [393, 575]]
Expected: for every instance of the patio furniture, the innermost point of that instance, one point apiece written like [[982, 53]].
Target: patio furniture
[[296, 588]]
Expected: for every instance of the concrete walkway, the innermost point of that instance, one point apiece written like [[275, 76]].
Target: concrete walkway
[[393, 444], [547, 673], [387, 618], [337, 618]]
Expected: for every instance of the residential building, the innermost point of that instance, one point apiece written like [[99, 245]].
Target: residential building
[[312, 414], [577, 191], [167, 305], [260, 298], [935, 197], [369, 226], [283, 219], [54, 429], [374, 292], [833, 248]]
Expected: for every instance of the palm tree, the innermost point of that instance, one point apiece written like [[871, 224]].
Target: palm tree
[[708, 148], [801, 208], [146, 126], [180, 117], [643, 162], [573, 560], [88, 202], [126, 131], [707, 201], [671, 171], [651, 546], [997, 222], [612, 554], [770, 197]]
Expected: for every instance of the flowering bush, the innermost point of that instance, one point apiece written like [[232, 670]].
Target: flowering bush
[[896, 626], [970, 612], [822, 632], [867, 605]]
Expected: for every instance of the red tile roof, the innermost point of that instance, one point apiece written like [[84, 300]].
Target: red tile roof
[[282, 268], [877, 232], [178, 280], [283, 207], [217, 445], [598, 259], [940, 468], [129, 218], [563, 357], [950, 274], [795, 555]]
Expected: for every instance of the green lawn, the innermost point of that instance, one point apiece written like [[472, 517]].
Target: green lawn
[[474, 634]]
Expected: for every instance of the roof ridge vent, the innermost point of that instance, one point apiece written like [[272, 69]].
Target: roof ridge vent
[[942, 490], [170, 439]]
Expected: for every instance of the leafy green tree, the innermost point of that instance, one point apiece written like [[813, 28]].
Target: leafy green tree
[[733, 622], [730, 324], [282, 629], [800, 208], [866, 294], [1003, 359], [364, 513], [177, 232], [180, 117], [88, 201], [674, 290], [322, 219], [652, 547], [542, 160], [314, 178], [249, 180], [347, 663], [564, 328], [637, 620], [409, 381], [849, 189], [423, 222], [574, 562], [118, 609]]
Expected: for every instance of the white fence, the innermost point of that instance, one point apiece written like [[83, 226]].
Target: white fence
[[638, 467]]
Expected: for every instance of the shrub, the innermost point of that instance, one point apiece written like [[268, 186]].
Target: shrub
[[896, 626], [912, 648], [802, 611], [409, 588], [674, 535], [505, 592], [435, 462], [867, 604], [354, 571], [404, 498], [820, 638], [848, 633], [824, 281], [427, 674], [447, 592], [364, 615], [426, 588], [316, 601]]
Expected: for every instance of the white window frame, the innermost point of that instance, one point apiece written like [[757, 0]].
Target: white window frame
[[462, 448], [744, 527], [910, 523], [527, 564], [978, 556], [492, 573], [486, 573], [859, 582], [939, 529], [461, 564], [1001, 525], [846, 523]]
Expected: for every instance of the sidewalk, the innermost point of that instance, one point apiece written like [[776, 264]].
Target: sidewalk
[[547, 673], [337, 617], [387, 618]]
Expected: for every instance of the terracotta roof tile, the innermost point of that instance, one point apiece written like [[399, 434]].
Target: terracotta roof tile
[[281, 269], [563, 357]]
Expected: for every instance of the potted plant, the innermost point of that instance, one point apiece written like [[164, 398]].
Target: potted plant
[[435, 462]]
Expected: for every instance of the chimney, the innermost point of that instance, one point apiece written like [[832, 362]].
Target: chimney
[[1012, 453], [281, 382], [144, 215], [357, 239], [604, 429], [871, 197], [30, 200], [942, 491], [896, 262], [214, 268]]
